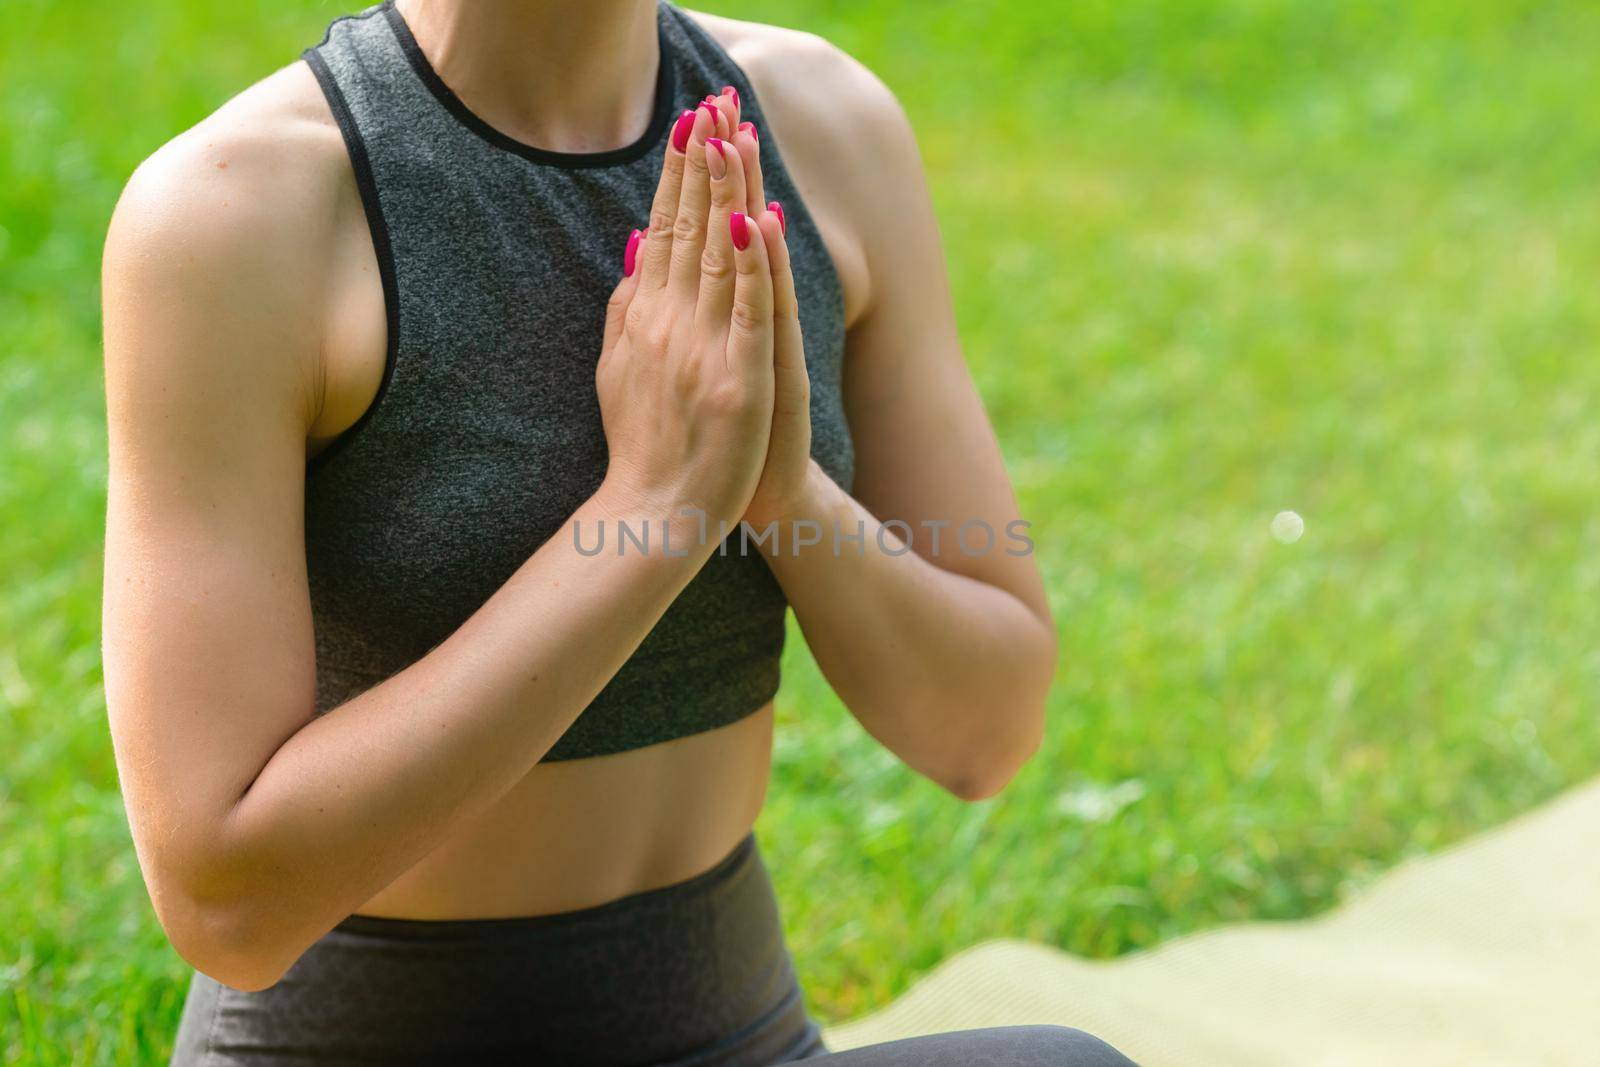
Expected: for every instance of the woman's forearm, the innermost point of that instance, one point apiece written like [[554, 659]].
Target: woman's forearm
[[948, 672], [355, 797]]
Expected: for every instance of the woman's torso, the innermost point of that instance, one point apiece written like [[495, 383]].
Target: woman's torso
[[576, 831]]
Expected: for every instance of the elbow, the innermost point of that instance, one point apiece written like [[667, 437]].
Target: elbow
[[1004, 742], [988, 769], [972, 789], [226, 939], [222, 946]]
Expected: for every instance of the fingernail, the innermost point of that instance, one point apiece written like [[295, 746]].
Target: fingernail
[[680, 131], [728, 90], [713, 111], [777, 209], [716, 162], [739, 228], [750, 128], [631, 253]]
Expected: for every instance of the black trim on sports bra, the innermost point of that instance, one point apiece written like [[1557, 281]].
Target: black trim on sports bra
[[381, 247], [665, 88]]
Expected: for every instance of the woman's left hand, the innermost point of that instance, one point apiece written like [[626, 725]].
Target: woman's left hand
[[787, 469]]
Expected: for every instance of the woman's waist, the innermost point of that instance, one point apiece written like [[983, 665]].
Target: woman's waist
[[737, 876], [668, 974], [576, 834]]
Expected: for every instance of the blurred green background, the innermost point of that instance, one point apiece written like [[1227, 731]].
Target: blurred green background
[[1212, 260]]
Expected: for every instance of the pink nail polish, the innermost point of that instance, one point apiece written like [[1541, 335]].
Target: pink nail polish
[[739, 228], [728, 90], [777, 209], [680, 131], [713, 111], [631, 253], [750, 128], [714, 144]]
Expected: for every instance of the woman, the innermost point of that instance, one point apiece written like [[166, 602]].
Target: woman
[[416, 773]]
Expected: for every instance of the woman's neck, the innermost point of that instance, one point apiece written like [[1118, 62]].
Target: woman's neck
[[567, 75]]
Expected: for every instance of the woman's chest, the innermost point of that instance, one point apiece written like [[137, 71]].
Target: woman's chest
[[484, 333]]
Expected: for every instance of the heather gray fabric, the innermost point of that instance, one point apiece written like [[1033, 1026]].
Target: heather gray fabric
[[696, 973], [1000, 1046], [497, 259], [693, 975]]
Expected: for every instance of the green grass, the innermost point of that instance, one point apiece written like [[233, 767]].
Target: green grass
[[1211, 261]]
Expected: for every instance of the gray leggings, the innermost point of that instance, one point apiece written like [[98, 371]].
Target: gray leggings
[[693, 975]]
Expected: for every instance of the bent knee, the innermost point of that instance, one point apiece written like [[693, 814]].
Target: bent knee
[[1067, 1047]]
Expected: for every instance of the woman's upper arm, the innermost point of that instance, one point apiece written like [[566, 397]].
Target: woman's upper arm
[[211, 330], [925, 450]]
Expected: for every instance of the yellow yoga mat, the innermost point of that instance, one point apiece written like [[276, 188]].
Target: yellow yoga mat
[[1488, 953]]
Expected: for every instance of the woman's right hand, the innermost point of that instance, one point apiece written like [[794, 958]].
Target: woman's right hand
[[686, 369]]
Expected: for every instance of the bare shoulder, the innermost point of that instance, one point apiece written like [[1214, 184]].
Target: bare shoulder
[[845, 138], [807, 82], [230, 231], [249, 181]]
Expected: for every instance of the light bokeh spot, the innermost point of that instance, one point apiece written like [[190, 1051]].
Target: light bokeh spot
[[1288, 527]]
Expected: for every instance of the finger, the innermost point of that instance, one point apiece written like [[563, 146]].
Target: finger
[[694, 199], [788, 344], [718, 110], [717, 261], [664, 209], [750, 317], [749, 141], [622, 295], [727, 104]]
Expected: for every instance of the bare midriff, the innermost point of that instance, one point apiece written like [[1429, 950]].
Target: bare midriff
[[578, 833]]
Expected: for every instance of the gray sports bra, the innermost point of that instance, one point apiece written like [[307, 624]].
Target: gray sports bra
[[496, 261]]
